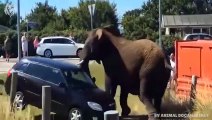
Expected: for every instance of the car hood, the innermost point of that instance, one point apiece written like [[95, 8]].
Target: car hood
[[79, 45], [97, 95]]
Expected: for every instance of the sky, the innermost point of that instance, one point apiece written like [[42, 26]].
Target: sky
[[122, 5]]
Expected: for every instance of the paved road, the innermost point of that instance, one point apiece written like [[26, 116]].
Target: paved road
[[5, 66]]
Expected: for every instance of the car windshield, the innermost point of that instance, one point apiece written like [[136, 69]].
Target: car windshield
[[78, 79]]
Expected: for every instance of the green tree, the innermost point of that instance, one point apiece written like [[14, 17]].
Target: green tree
[[134, 24], [78, 18], [44, 14], [105, 14], [6, 20], [64, 16]]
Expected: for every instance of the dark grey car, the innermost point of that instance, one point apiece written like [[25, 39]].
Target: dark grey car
[[74, 95]]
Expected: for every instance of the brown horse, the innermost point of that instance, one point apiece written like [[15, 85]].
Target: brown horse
[[139, 67]]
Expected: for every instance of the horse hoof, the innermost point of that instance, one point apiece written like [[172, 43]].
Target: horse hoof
[[125, 112], [151, 117]]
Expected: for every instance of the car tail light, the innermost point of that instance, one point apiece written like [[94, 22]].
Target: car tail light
[[9, 72], [38, 45]]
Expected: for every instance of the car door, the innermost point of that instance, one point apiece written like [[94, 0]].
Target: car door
[[44, 45], [69, 46], [57, 47], [21, 77], [54, 78], [34, 81]]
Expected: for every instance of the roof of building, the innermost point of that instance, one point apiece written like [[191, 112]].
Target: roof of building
[[176, 21], [3, 28]]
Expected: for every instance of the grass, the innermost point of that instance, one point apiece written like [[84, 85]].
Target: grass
[[2, 80], [203, 105], [28, 114], [170, 104], [3, 77], [5, 114]]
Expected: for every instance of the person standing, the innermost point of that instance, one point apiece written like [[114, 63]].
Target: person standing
[[36, 42], [7, 48], [24, 45], [172, 81]]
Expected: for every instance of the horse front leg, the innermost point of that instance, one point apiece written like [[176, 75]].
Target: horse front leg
[[110, 86], [123, 102]]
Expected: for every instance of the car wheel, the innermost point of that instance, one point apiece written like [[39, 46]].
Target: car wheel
[[48, 53], [18, 102], [75, 114], [78, 52]]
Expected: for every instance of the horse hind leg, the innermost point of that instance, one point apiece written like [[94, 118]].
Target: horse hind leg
[[147, 100], [157, 104]]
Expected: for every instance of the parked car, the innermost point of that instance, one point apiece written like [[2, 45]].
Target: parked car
[[74, 95], [197, 36], [58, 46]]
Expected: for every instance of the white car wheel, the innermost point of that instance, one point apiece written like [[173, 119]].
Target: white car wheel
[[48, 53], [18, 102]]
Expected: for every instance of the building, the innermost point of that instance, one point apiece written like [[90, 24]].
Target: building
[[187, 24]]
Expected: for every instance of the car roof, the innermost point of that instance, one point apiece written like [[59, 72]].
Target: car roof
[[197, 34], [62, 65], [53, 37]]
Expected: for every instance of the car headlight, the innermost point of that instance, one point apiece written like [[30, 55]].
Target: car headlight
[[95, 106]]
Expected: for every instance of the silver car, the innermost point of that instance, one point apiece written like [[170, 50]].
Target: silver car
[[197, 36]]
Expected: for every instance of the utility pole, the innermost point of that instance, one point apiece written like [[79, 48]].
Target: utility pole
[[18, 30], [160, 34]]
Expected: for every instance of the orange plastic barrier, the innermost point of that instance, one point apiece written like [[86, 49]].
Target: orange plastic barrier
[[193, 58]]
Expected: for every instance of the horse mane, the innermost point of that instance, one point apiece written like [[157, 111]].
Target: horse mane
[[111, 29]]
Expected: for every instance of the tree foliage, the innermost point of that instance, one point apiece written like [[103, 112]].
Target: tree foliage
[[44, 14], [79, 21], [74, 19], [79, 17], [130, 24], [6, 20]]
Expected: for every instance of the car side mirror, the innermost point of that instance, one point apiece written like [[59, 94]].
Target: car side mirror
[[62, 85]]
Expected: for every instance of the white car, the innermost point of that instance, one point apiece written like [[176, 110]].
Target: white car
[[58, 46]]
